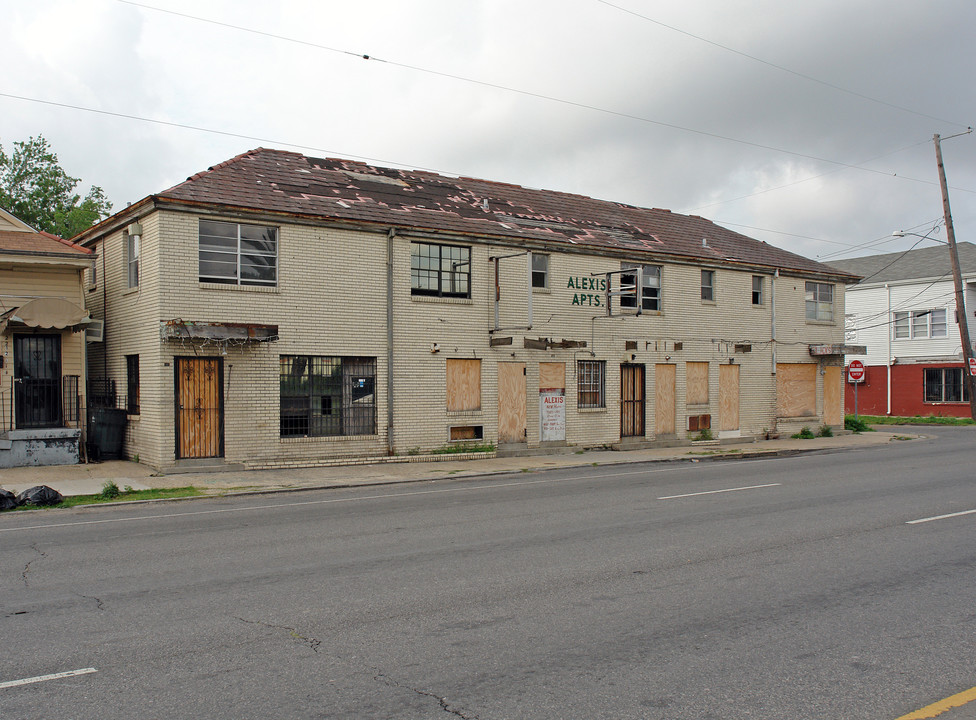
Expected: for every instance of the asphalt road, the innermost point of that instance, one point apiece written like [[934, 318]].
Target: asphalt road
[[783, 588]]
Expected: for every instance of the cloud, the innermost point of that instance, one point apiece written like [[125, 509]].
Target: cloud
[[650, 115]]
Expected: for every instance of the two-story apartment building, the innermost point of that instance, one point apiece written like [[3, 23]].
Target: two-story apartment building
[[280, 310], [904, 311]]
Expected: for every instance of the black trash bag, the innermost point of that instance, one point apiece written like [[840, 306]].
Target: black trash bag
[[39, 495], [8, 501]]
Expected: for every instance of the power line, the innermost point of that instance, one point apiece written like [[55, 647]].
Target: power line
[[810, 78], [213, 131], [884, 240], [526, 93]]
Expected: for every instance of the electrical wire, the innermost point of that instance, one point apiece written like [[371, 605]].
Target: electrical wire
[[527, 93], [804, 76]]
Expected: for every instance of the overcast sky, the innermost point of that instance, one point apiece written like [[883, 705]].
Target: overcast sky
[[807, 125]]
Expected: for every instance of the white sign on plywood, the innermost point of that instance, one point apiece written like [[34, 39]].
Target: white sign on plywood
[[552, 415]]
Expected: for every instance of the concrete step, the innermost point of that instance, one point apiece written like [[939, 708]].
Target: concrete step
[[201, 465]]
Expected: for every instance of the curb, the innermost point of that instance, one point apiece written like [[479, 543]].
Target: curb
[[474, 475]]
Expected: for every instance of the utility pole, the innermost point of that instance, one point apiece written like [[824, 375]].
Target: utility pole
[[967, 348]]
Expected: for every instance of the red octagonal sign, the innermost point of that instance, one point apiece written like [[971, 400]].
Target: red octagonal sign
[[855, 371]]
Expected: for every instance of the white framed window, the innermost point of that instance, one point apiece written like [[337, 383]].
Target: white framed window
[[708, 285], [441, 270], [132, 259], [238, 254], [591, 383], [650, 286], [901, 326], [820, 301], [540, 271], [757, 290], [918, 324]]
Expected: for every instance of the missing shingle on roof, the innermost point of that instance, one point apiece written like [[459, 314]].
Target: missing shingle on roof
[[364, 177]]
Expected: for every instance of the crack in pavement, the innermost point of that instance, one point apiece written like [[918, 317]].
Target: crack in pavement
[[307, 641], [23, 575], [315, 644], [445, 704], [98, 601]]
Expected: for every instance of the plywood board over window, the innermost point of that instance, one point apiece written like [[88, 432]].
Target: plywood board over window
[[463, 384], [552, 376], [796, 389], [696, 379]]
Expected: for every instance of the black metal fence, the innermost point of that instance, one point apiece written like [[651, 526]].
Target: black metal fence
[[42, 403]]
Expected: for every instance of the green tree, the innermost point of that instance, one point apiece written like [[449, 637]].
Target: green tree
[[35, 188]]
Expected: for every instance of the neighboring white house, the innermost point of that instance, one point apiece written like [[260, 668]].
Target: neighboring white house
[[904, 311]]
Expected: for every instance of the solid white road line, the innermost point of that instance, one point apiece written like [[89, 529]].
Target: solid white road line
[[716, 492], [42, 678], [940, 517]]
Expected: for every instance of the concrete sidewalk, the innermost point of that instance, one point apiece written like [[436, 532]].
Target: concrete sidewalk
[[88, 479]]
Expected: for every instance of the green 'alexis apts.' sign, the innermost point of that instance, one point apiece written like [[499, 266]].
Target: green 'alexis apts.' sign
[[590, 299]]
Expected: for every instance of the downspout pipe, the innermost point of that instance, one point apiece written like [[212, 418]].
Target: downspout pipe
[[390, 444], [772, 336], [772, 315], [888, 362]]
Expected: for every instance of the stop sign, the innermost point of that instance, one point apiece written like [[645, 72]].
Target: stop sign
[[855, 371], [972, 366]]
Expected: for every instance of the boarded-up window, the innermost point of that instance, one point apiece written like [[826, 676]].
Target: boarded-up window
[[697, 382], [552, 376], [463, 385], [796, 389]]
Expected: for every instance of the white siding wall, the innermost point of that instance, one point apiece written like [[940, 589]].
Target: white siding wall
[[873, 319]]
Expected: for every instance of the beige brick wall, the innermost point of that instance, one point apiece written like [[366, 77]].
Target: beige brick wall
[[330, 300]]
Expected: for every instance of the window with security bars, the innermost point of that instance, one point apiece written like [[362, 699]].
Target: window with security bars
[[442, 270], [238, 254], [132, 384], [946, 385], [591, 383], [327, 396]]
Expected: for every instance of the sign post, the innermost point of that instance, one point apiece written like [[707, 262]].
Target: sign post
[[855, 374]]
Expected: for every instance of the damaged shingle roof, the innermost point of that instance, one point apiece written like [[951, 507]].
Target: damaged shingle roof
[[345, 190]]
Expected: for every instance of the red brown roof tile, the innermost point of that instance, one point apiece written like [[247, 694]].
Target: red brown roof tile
[[345, 190]]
